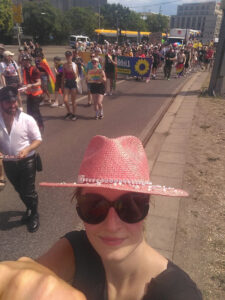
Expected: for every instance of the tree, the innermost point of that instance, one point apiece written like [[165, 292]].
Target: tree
[[135, 22], [6, 19], [41, 21], [157, 23], [62, 29], [116, 15], [82, 21]]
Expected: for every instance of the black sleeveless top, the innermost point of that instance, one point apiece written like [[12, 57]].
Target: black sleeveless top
[[171, 284]]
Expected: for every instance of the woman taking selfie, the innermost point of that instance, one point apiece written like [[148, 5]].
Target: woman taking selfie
[[110, 259]]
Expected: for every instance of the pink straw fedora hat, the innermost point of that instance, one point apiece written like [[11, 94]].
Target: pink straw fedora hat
[[119, 164]]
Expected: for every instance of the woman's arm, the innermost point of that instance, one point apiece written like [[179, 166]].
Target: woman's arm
[[60, 259], [103, 76], [3, 80], [26, 279], [115, 61]]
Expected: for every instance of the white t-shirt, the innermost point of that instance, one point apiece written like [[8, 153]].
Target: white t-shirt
[[10, 69], [23, 132]]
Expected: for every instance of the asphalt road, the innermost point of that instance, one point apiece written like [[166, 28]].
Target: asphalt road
[[127, 112]]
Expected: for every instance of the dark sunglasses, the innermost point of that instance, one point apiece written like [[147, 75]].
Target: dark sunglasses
[[130, 207]]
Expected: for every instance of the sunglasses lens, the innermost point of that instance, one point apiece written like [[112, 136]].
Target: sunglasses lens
[[133, 207], [92, 208]]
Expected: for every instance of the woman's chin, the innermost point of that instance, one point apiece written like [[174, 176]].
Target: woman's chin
[[115, 254]]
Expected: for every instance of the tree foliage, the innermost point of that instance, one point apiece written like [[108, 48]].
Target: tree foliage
[[157, 23], [117, 16], [40, 20], [82, 21], [48, 24], [6, 19]]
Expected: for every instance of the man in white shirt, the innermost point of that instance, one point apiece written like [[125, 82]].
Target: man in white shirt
[[19, 137]]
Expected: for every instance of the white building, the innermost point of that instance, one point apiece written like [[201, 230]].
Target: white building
[[204, 16]]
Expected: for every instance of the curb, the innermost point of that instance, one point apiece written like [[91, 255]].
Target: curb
[[148, 131]]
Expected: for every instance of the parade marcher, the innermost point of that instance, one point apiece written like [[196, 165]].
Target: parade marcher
[[201, 56], [110, 70], [90, 67], [10, 73], [96, 78], [2, 49], [110, 259], [187, 53], [69, 85], [209, 53], [156, 61], [32, 81], [170, 57], [44, 77], [19, 138], [21, 54], [80, 68], [58, 68], [181, 59]]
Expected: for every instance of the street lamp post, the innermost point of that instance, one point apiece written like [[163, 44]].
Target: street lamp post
[[117, 26], [99, 17], [217, 80]]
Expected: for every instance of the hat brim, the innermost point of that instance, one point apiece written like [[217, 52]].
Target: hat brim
[[147, 189]]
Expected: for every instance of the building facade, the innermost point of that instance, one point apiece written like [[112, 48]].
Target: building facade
[[204, 16], [68, 4]]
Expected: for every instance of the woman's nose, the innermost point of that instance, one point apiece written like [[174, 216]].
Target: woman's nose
[[112, 221]]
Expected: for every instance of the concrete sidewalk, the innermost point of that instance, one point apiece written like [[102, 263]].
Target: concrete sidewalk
[[166, 151]]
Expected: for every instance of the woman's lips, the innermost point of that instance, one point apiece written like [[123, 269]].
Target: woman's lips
[[111, 241]]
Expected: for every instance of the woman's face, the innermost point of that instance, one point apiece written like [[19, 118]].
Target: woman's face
[[8, 58], [113, 239], [95, 64], [69, 58]]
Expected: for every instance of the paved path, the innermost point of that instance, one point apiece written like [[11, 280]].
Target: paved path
[[166, 152]]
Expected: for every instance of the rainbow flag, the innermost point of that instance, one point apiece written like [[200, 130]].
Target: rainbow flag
[[179, 69], [51, 77], [94, 76]]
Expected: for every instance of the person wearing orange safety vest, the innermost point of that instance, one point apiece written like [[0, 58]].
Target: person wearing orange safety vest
[[32, 81]]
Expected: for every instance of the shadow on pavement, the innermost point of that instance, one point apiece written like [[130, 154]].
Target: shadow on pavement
[[10, 219]]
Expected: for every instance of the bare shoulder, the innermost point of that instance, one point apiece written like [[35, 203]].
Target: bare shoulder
[[60, 259]]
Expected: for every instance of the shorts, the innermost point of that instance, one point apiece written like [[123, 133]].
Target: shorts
[[70, 84], [97, 88], [44, 82], [58, 83], [155, 65]]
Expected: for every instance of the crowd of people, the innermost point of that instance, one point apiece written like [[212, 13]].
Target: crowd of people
[[31, 74]]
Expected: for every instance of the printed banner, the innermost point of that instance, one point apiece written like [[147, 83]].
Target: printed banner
[[134, 66], [86, 57]]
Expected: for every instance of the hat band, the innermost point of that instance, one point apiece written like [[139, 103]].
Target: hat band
[[83, 179]]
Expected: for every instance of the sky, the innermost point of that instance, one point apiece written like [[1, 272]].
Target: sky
[[167, 7]]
